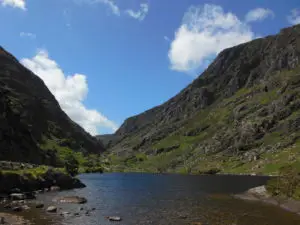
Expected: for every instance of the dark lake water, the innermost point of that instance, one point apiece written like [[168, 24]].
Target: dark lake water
[[165, 199]]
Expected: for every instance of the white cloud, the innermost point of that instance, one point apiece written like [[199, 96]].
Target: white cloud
[[14, 3], [140, 14], [258, 14], [28, 35], [294, 18], [204, 32], [114, 8], [110, 3], [70, 92]]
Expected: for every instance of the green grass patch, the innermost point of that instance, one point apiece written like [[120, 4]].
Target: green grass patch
[[34, 172]]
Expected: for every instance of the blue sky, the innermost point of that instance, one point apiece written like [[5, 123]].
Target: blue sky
[[107, 60]]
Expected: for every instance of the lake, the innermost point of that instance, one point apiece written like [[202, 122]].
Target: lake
[[167, 199]]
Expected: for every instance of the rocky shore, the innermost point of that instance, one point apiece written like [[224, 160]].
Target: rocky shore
[[260, 194], [27, 182], [19, 192], [15, 212]]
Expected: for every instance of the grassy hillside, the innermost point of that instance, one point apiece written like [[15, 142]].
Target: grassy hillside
[[254, 131]]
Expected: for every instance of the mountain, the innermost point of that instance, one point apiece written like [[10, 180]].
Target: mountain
[[33, 127], [242, 114]]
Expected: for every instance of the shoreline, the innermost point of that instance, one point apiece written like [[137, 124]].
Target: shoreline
[[260, 194], [192, 174], [28, 183], [72, 212]]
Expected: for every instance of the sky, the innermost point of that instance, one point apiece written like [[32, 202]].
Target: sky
[[107, 60]]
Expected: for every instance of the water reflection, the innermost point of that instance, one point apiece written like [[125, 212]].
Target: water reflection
[[169, 199]]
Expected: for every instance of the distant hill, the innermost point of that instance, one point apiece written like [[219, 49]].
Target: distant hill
[[33, 127], [242, 114]]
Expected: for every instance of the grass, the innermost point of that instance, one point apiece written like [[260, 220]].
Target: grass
[[61, 152], [267, 97], [271, 138], [287, 184], [34, 172]]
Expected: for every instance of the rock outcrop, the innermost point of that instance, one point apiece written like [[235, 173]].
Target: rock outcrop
[[27, 183]]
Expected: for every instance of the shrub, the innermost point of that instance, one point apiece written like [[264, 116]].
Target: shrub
[[287, 184], [71, 165]]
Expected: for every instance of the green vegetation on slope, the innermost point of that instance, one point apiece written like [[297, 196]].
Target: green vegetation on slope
[[253, 131], [287, 185]]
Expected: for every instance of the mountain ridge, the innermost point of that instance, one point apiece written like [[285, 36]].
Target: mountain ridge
[[34, 128], [245, 66]]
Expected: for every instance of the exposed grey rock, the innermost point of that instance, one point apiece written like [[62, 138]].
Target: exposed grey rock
[[51, 209]]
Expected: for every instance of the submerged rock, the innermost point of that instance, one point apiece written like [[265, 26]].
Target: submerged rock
[[15, 190], [17, 208], [114, 218], [39, 205], [25, 207], [72, 199], [197, 223], [17, 196], [30, 195], [182, 216], [54, 188], [65, 213]]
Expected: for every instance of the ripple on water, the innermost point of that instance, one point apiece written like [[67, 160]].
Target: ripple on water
[[142, 199]]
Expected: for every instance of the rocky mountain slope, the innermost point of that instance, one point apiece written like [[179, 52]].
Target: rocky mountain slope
[[240, 115], [33, 128]]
